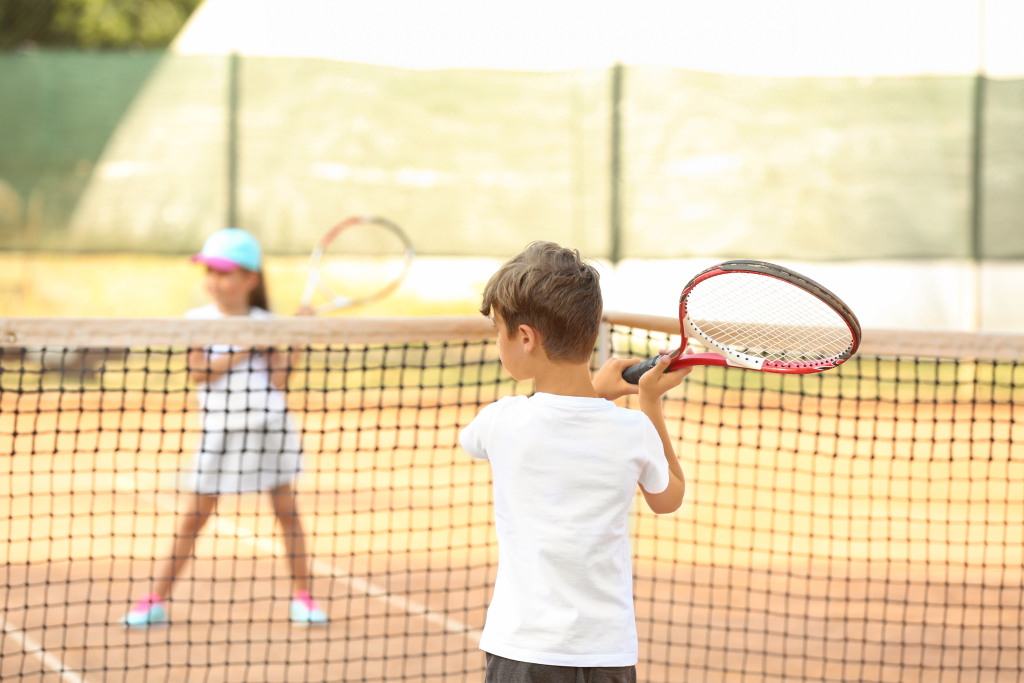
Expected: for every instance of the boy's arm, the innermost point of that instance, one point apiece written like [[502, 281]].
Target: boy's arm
[[653, 386]]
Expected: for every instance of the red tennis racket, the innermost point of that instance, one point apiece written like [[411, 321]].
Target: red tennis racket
[[760, 316]]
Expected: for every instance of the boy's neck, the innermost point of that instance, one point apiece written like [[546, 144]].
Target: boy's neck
[[565, 379]]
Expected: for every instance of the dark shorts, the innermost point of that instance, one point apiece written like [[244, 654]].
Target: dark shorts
[[501, 670]]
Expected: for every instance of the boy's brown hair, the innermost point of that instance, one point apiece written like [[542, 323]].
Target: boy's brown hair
[[554, 291]]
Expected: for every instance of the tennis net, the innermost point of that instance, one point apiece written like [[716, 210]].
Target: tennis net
[[863, 524]]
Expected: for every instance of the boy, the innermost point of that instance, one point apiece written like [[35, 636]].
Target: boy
[[565, 464]]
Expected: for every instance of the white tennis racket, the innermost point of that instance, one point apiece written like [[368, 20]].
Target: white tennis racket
[[359, 261]]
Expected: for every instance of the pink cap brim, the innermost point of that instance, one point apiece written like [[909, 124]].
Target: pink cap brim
[[216, 262]]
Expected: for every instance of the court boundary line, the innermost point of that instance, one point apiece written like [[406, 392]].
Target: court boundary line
[[50, 661], [320, 567]]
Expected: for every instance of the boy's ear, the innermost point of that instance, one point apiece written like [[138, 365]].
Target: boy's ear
[[529, 337]]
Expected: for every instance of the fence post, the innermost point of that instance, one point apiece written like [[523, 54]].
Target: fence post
[[615, 172], [977, 170], [977, 191], [232, 146]]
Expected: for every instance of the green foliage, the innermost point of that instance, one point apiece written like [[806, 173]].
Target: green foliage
[[92, 23], [26, 21]]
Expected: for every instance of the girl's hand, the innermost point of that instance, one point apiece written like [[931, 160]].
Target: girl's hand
[[281, 365], [304, 311], [608, 382], [207, 367], [656, 382]]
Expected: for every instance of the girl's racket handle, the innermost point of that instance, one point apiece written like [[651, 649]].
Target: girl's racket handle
[[633, 373]]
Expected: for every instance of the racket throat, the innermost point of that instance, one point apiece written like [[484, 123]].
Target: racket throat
[[734, 359]]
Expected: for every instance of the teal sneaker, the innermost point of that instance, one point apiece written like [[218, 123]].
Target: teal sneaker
[[305, 612], [148, 611]]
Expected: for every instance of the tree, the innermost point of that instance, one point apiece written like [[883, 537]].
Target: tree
[[92, 23]]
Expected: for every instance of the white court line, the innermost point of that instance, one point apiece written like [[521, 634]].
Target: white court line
[[227, 528], [30, 647]]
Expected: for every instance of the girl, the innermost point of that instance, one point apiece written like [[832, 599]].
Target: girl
[[249, 442]]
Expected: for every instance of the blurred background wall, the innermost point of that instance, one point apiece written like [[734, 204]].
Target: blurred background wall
[[874, 147]]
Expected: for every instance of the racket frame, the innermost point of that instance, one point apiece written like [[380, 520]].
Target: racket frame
[[722, 355], [335, 301]]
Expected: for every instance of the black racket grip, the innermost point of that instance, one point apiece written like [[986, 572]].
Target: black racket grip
[[634, 373]]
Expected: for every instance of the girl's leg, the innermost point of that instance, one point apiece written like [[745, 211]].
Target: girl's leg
[[283, 499], [303, 609], [190, 523]]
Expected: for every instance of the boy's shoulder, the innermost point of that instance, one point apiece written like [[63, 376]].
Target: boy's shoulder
[[631, 421], [509, 402], [613, 416], [628, 413], [502, 405], [476, 436]]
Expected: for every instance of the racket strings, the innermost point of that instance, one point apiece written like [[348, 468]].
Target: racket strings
[[360, 261], [767, 318]]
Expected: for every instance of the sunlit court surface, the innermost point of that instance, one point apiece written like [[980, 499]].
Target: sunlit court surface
[[859, 525]]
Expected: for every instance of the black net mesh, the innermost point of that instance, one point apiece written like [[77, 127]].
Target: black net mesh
[[863, 524]]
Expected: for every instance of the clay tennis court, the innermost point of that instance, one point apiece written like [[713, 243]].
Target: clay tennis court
[[400, 540], [821, 538]]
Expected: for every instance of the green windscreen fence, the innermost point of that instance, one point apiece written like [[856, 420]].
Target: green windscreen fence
[[814, 168], [1002, 198], [58, 110], [151, 152]]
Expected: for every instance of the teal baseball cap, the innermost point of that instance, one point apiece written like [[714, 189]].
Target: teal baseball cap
[[230, 249]]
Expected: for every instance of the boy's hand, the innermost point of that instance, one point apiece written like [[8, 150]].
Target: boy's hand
[[608, 382], [656, 382]]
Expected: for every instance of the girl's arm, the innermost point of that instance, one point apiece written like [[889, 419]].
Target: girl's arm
[[202, 367], [283, 362], [281, 365]]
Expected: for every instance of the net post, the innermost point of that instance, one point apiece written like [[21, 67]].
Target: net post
[[604, 351]]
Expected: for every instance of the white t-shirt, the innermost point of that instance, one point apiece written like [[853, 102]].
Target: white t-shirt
[[565, 471], [245, 391], [249, 442]]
